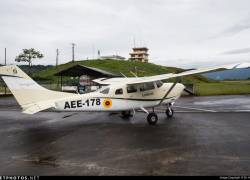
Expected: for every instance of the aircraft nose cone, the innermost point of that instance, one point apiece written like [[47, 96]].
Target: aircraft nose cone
[[181, 86]]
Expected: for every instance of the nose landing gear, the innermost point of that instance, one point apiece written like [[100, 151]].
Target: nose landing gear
[[170, 111]]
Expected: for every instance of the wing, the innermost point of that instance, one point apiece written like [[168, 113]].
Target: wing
[[186, 73], [140, 80]]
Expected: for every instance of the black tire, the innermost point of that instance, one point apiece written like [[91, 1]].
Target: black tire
[[126, 114], [152, 119], [170, 112]]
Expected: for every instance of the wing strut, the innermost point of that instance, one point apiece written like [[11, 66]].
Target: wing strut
[[169, 91]]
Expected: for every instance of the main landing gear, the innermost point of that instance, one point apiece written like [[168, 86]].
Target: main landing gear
[[126, 114], [152, 117]]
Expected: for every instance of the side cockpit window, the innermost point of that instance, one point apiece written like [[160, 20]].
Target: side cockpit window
[[119, 92], [131, 89], [147, 86], [105, 91], [159, 84]]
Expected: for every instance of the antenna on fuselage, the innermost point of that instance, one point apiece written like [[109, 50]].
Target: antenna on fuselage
[[123, 75], [133, 74]]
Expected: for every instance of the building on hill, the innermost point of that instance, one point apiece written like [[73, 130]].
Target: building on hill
[[113, 57], [139, 54]]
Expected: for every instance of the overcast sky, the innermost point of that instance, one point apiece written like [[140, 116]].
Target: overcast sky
[[182, 33]]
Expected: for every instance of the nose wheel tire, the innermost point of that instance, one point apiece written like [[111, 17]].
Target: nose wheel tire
[[152, 119], [170, 112]]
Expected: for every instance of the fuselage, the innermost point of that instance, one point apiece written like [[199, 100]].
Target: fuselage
[[122, 97]]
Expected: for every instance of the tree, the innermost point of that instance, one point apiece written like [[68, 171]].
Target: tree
[[28, 55]]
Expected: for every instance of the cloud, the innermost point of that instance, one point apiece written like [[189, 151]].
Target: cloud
[[238, 51], [238, 27], [172, 30]]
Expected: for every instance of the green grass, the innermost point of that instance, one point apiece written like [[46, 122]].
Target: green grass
[[222, 88], [114, 66], [118, 67], [2, 90]]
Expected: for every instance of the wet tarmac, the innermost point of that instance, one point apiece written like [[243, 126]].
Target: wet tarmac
[[197, 141]]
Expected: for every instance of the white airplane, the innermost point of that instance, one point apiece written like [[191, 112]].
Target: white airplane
[[119, 95]]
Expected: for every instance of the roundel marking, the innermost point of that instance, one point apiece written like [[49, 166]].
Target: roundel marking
[[107, 103]]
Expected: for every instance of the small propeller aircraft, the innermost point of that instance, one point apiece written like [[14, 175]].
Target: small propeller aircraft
[[118, 95]]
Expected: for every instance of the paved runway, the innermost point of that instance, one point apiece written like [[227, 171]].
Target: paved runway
[[194, 142]]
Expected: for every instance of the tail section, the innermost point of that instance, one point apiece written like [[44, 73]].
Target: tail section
[[30, 96]]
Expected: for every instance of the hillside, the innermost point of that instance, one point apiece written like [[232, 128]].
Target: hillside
[[34, 69], [118, 67], [232, 74]]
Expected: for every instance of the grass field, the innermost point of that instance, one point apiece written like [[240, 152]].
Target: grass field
[[2, 90], [222, 88]]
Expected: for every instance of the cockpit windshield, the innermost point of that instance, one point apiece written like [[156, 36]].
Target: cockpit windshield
[[102, 88], [105, 90]]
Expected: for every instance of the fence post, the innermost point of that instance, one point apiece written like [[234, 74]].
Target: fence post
[[5, 62]]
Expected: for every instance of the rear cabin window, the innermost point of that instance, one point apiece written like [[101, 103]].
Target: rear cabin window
[[105, 91], [159, 84], [131, 89], [147, 87], [119, 92]]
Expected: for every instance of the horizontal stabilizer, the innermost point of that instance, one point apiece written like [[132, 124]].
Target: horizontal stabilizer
[[37, 107]]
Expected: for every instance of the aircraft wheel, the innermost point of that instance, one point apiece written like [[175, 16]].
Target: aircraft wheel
[[126, 114], [170, 112], [152, 119]]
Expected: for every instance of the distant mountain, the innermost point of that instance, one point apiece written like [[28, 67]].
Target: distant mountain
[[233, 74]]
